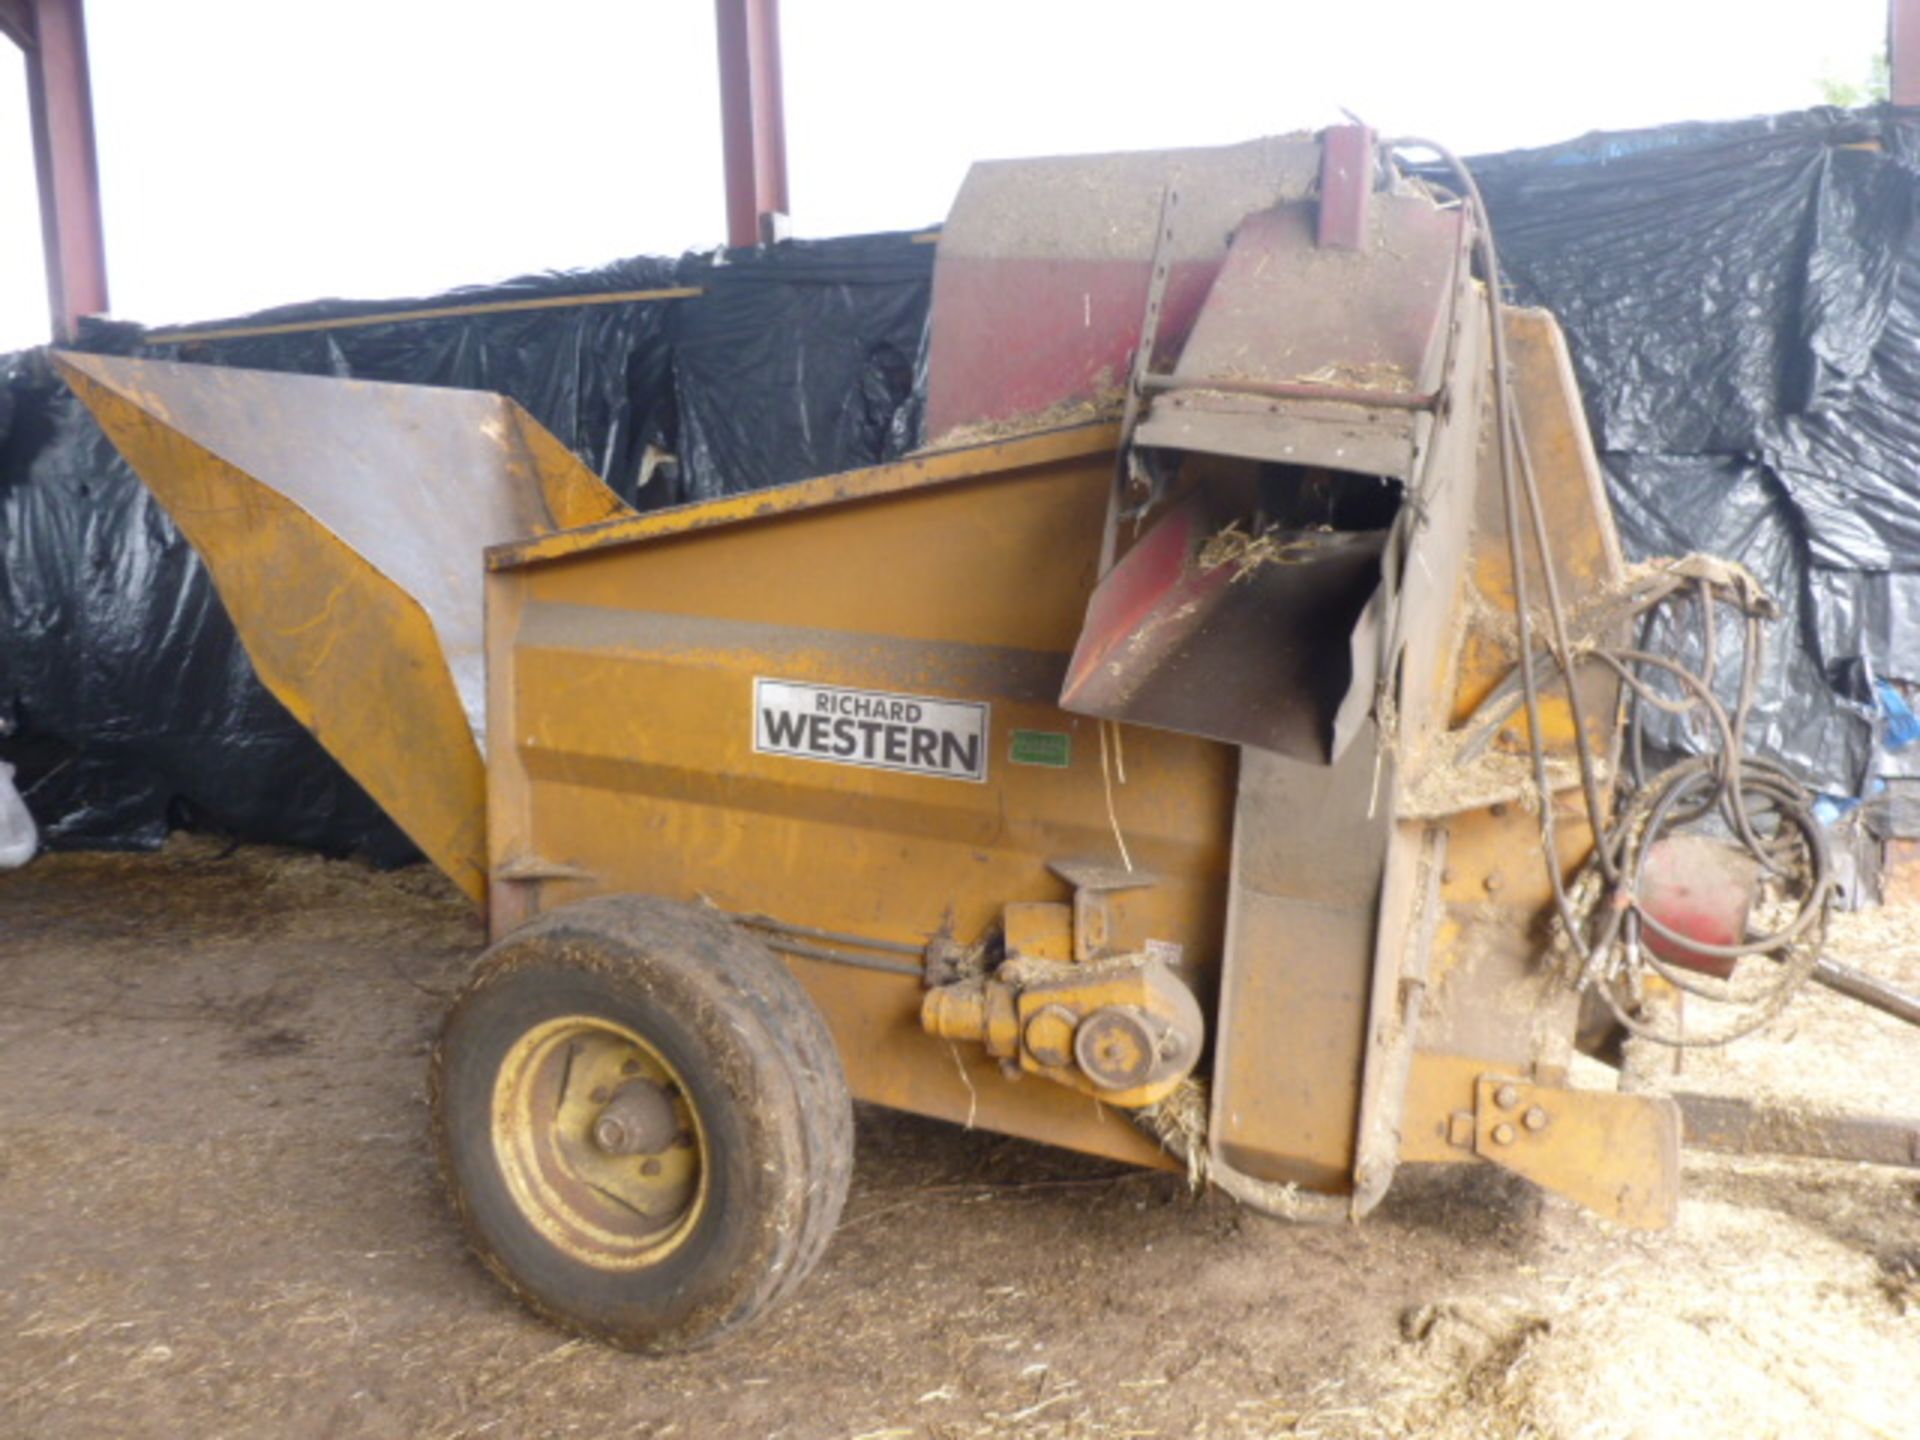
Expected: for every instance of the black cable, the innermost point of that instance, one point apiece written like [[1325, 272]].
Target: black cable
[[1602, 921]]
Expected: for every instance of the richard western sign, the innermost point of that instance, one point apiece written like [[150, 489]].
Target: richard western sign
[[872, 729]]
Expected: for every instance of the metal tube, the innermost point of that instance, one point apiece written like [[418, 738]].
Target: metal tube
[[1740, 1127], [839, 957], [836, 937], [752, 121], [1858, 985], [1291, 390], [60, 99]]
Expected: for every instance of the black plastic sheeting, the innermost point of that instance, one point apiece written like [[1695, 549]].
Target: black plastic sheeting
[[1742, 302], [125, 697], [798, 361], [1743, 306]]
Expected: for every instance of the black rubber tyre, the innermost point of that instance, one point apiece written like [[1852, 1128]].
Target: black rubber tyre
[[748, 1055]]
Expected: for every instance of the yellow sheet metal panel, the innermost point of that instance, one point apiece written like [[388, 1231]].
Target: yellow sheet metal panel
[[1495, 1001], [351, 656], [1291, 1036], [538, 464], [1578, 516], [1615, 1153], [926, 468], [1496, 876], [344, 524], [630, 747], [1492, 1000]]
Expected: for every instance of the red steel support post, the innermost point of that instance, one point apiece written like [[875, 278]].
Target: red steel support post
[[53, 33], [1903, 51], [752, 121]]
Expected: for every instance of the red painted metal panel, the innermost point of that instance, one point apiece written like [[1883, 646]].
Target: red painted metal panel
[[1078, 323], [1040, 287], [1256, 652], [1282, 314]]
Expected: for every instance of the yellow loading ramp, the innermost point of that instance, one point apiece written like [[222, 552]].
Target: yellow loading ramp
[[343, 523]]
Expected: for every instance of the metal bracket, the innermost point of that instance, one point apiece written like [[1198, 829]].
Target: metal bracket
[[1129, 476], [1616, 1154], [1092, 882]]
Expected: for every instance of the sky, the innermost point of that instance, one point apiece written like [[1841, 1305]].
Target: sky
[[258, 152]]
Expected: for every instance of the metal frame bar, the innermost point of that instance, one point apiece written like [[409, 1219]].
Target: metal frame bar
[[53, 36], [1903, 51], [1741, 1127], [1157, 384], [752, 120], [193, 335]]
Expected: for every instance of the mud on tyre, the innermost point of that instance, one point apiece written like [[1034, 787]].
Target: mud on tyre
[[642, 1121]]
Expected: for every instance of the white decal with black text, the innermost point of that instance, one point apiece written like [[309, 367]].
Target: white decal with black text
[[871, 728]]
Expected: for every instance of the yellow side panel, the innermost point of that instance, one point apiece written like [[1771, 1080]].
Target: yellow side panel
[[623, 754], [1494, 995]]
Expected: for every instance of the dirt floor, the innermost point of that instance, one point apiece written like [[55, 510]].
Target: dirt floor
[[217, 1218]]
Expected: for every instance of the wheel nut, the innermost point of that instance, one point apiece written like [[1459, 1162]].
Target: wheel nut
[[1535, 1118], [631, 1067], [600, 1095], [1506, 1097], [1503, 1134], [1493, 882], [610, 1135], [649, 1167]]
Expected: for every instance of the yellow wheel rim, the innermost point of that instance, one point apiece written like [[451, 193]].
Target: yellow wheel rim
[[601, 1148]]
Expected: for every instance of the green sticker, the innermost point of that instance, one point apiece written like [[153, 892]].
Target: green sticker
[[1050, 748]]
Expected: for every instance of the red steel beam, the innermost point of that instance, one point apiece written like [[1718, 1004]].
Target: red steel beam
[[53, 34], [1903, 51], [752, 120]]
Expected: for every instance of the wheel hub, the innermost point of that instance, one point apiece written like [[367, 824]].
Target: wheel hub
[[638, 1120], [599, 1145]]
